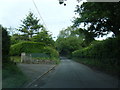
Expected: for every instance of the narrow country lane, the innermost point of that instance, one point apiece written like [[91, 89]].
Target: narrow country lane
[[70, 74]]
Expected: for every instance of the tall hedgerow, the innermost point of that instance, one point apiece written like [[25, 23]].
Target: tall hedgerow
[[106, 51]]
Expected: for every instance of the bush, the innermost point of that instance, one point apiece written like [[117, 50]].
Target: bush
[[32, 47]]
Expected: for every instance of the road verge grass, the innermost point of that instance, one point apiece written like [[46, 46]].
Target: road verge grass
[[97, 65], [12, 77]]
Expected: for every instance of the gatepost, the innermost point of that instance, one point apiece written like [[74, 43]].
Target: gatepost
[[22, 57]]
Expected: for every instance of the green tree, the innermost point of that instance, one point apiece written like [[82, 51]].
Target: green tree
[[68, 41], [16, 38], [44, 37], [30, 26], [101, 18], [5, 44], [88, 36], [67, 45]]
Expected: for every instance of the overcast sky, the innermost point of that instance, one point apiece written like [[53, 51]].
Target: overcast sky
[[55, 16]]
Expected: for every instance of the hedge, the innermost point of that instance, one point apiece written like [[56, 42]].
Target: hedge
[[32, 47], [108, 49]]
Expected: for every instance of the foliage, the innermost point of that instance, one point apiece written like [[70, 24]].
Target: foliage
[[16, 38], [30, 26], [67, 45], [101, 18], [105, 51], [27, 47], [44, 37], [71, 39], [34, 38], [5, 44], [31, 30], [88, 36], [68, 41], [51, 51], [32, 47]]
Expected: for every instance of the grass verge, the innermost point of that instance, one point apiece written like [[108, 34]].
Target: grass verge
[[97, 65], [12, 77]]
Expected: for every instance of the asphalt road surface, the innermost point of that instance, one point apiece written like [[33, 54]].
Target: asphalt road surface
[[70, 74]]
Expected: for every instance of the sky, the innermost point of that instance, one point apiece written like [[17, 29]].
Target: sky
[[55, 16]]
